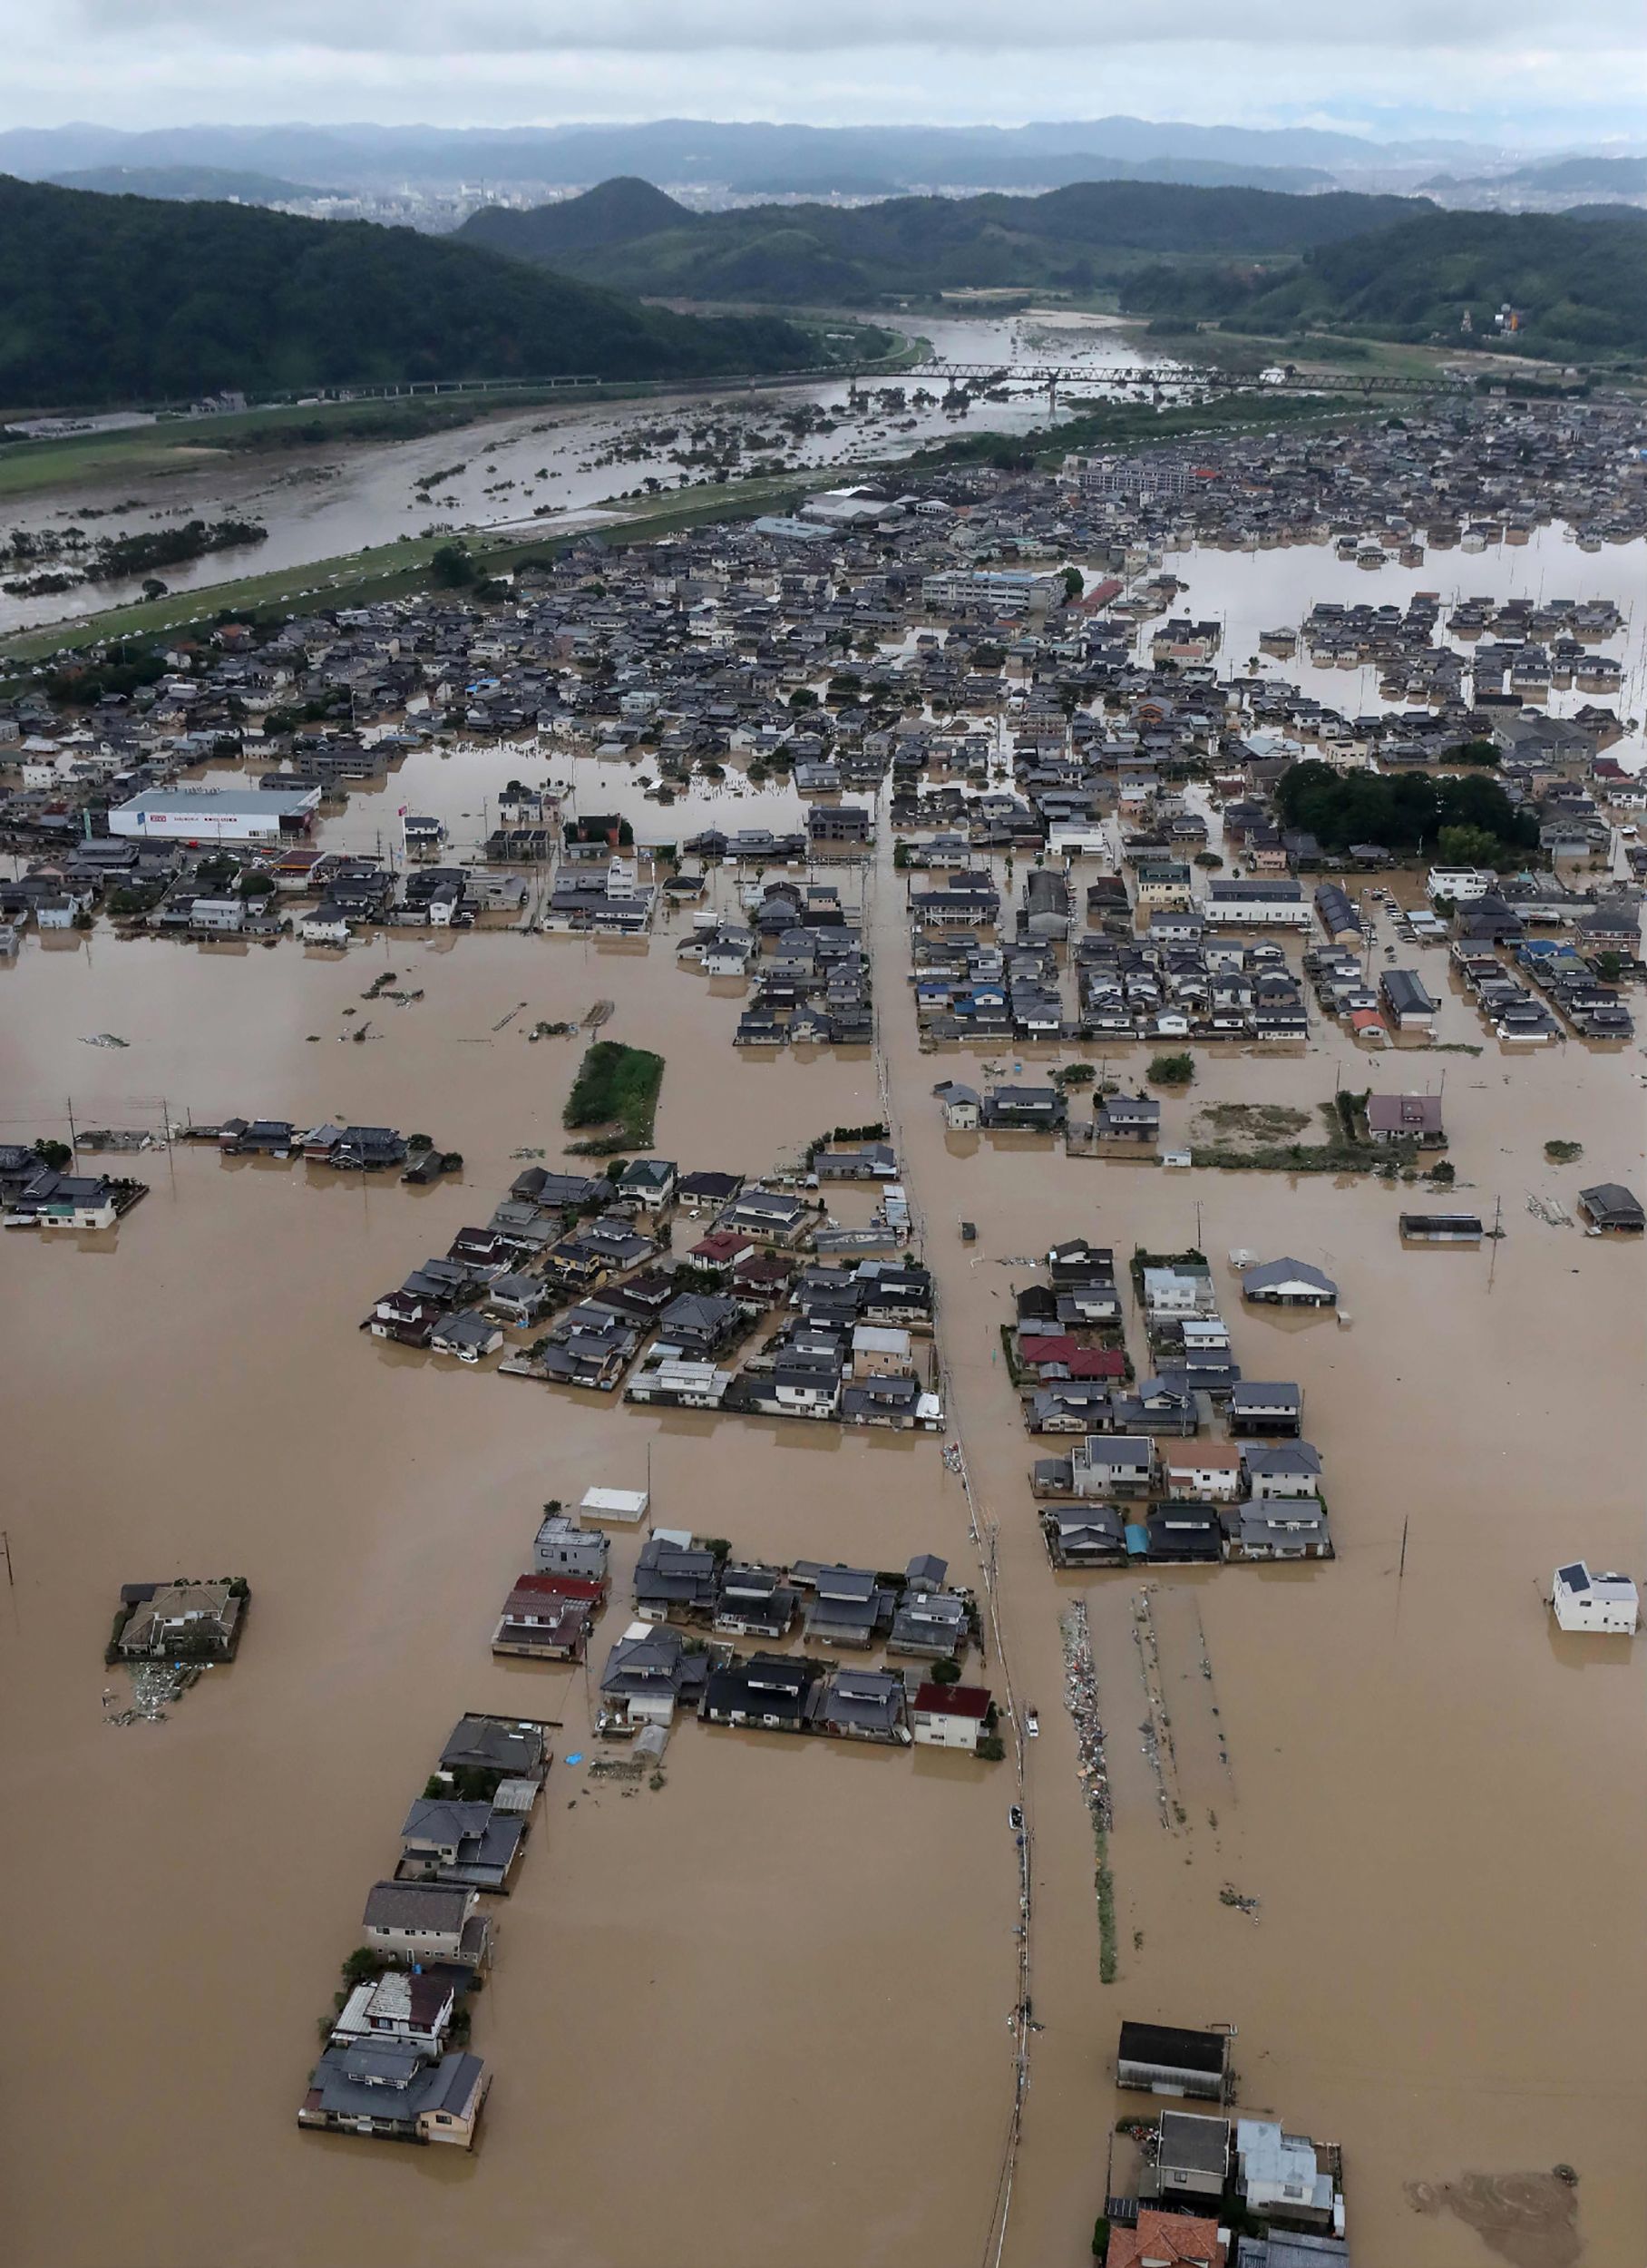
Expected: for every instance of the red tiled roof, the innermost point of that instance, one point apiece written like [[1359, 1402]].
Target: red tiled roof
[[954, 1700], [587, 1588], [722, 1244], [1181, 2240], [1098, 1362]]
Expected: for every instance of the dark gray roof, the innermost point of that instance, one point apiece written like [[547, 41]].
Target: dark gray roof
[[373, 2083], [1200, 2145], [1170, 2045], [493, 1743], [428, 1906]]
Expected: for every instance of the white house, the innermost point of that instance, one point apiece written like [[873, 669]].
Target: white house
[[1462, 884], [1178, 1292], [949, 1717], [1200, 1468], [1288, 1284], [962, 1106], [1605, 1603]]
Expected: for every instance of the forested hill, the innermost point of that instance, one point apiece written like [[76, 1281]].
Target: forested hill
[[1577, 280], [631, 236], [112, 299]]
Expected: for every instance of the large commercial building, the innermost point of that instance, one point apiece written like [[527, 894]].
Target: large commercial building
[[216, 815], [1262, 903], [1005, 590]]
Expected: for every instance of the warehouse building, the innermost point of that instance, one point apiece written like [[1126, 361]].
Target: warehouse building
[[216, 815]]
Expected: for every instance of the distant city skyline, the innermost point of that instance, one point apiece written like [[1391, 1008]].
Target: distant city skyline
[[1486, 71]]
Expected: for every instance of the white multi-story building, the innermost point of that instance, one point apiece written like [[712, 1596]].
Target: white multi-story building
[[1585, 1601]]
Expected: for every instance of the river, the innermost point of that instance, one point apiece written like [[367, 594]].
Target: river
[[535, 468], [793, 1957]]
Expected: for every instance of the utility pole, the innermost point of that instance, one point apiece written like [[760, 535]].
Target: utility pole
[[1497, 1232]]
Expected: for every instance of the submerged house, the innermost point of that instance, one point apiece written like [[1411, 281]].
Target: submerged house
[[1165, 2060], [1288, 1283], [397, 2092], [775, 1692]]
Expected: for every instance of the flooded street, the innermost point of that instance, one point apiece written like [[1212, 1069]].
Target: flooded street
[[533, 467], [798, 1953], [1250, 592]]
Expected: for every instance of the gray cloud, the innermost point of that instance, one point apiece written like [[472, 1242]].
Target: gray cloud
[[1486, 28], [1499, 70]]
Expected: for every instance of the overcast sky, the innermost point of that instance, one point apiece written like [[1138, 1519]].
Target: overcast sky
[[1520, 69]]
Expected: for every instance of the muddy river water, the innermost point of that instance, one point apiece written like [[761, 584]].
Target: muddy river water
[[539, 468], [793, 1959]]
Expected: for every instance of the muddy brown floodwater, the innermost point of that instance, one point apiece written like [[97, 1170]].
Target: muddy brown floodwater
[[794, 1962]]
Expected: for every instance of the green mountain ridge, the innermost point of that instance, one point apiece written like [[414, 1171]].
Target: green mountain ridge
[[1579, 282], [119, 300], [802, 254]]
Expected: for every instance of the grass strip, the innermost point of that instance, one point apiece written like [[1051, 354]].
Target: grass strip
[[615, 1086]]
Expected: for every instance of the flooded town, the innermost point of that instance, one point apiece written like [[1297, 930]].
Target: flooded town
[[847, 1311]]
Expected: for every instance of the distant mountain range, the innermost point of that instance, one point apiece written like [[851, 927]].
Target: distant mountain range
[[1562, 177], [128, 298], [631, 235], [184, 182], [741, 157]]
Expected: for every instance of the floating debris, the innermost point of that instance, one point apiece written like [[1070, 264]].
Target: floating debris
[[1230, 1896], [1548, 1210], [510, 1018], [1157, 1728], [105, 1040], [599, 1014], [1081, 1698], [155, 1686]]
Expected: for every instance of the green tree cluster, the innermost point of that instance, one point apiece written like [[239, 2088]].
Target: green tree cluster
[[1408, 811]]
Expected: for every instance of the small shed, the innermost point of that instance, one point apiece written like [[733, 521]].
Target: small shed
[[626, 1507]]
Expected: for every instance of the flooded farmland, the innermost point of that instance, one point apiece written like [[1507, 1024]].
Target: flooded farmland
[[800, 1954]]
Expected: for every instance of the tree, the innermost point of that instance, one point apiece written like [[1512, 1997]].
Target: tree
[[1074, 582], [946, 1672], [1467, 846], [451, 566], [1609, 966], [257, 886], [56, 1155], [1172, 1071]]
